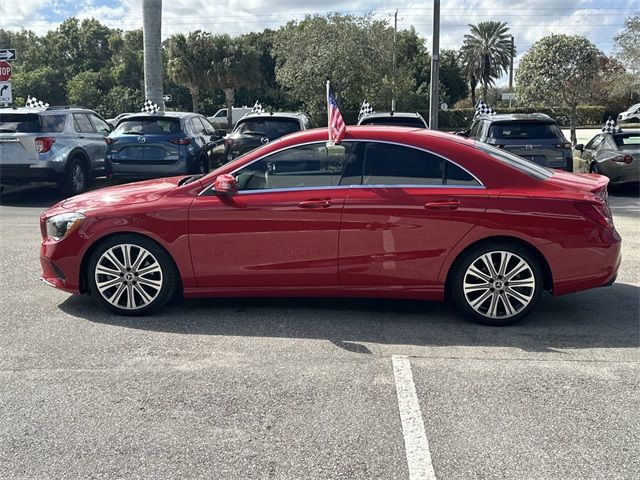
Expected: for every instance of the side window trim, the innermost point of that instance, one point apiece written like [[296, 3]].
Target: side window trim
[[208, 190]]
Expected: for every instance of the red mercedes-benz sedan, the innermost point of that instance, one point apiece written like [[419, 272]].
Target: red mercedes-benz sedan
[[389, 212]]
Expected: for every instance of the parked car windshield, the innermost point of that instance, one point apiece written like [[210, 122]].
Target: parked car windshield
[[269, 127], [524, 131], [31, 123], [626, 141], [148, 126], [395, 121], [523, 165]]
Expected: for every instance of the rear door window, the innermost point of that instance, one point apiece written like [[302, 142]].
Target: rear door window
[[524, 131], [388, 164], [82, 123]]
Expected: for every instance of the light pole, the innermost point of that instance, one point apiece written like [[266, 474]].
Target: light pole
[[435, 66]]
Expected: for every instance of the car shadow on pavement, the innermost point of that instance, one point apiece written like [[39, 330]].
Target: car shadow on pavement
[[41, 195], [599, 318]]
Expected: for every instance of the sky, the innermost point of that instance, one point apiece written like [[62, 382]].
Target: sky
[[529, 20]]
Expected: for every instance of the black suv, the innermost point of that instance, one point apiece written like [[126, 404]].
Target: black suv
[[256, 129], [533, 136], [397, 119]]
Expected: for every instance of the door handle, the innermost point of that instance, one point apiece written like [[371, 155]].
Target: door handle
[[319, 203], [442, 205]]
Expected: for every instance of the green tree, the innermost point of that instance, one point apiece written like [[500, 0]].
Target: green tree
[[628, 44], [87, 89], [45, 83], [120, 99], [234, 66], [559, 70], [127, 61], [486, 53], [189, 62], [452, 78]]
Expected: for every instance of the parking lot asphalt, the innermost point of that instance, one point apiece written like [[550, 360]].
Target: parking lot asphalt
[[305, 388]]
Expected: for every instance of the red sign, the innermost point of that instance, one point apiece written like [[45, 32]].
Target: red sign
[[5, 71]]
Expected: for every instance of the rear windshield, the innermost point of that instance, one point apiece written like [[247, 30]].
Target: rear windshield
[[525, 131], [628, 140], [31, 123], [395, 121], [148, 126], [268, 127], [523, 165]]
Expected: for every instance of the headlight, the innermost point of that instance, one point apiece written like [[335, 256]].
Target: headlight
[[59, 226]]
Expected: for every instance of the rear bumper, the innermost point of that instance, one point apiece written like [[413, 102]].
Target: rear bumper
[[142, 170], [20, 174], [620, 173]]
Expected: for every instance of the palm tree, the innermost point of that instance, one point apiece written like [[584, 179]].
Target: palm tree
[[151, 33], [233, 67], [190, 61], [486, 53]]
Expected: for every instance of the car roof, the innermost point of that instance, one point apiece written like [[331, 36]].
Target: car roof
[[165, 114], [296, 115], [627, 131], [510, 117], [46, 110], [393, 114]]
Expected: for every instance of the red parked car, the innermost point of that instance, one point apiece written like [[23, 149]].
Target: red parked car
[[391, 212]]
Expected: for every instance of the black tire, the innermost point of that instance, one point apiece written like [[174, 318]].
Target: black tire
[[147, 296], [501, 295], [76, 178]]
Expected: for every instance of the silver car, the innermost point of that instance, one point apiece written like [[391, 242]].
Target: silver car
[[616, 155], [58, 144]]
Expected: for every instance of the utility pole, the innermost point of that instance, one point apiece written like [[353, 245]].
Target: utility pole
[[395, 33], [511, 70], [435, 66]]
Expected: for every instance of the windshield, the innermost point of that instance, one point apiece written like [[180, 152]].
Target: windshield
[[31, 123], [272, 127], [627, 141], [395, 121], [525, 131], [521, 164], [148, 126]]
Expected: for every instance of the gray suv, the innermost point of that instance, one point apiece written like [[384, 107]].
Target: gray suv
[[60, 144], [534, 136]]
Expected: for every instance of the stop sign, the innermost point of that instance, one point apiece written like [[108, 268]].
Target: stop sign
[[5, 71]]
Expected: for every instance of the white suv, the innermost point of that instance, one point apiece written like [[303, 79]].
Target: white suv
[[631, 115]]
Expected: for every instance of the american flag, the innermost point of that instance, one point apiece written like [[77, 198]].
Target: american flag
[[337, 126]]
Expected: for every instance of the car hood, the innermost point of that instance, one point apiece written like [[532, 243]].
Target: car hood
[[139, 192]]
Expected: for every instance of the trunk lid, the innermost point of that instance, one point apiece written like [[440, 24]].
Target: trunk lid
[[146, 149], [18, 148]]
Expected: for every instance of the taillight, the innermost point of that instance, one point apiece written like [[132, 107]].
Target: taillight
[[180, 141], [598, 213], [627, 159], [110, 141], [566, 146], [43, 144]]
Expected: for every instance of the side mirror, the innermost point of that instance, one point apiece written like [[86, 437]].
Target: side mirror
[[225, 184], [579, 147]]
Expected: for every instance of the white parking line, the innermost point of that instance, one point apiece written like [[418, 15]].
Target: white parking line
[[416, 444]]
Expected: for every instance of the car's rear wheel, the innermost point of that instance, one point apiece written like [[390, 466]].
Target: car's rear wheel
[[497, 284], [76, 178], [131, 275]]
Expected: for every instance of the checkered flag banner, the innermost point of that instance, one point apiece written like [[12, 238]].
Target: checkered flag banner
[[33, 102], [150, 107], [257, 108], [365, 109], [611, 127], [483, 109]]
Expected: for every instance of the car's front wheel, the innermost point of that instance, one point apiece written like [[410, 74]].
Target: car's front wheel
[[131, 275], [497, 284]]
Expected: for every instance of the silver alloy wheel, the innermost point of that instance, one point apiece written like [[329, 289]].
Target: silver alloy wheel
[[499, 284], [128, 276], [77, 177]]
